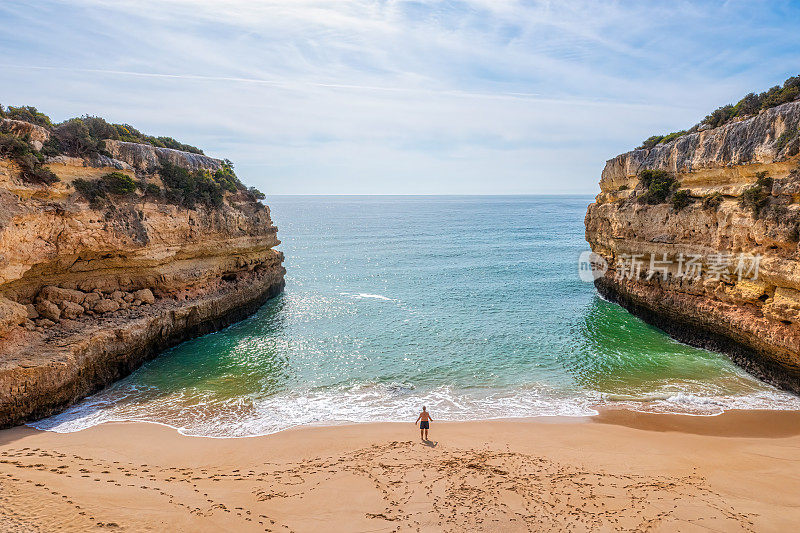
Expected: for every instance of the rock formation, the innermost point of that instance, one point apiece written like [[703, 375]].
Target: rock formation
[[88, 291], [37, 134], [730, 279], [145, 158]]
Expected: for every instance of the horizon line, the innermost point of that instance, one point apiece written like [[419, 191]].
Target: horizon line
[[436, 194]]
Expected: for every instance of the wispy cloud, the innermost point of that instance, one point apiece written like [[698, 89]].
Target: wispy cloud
[[397, 96]]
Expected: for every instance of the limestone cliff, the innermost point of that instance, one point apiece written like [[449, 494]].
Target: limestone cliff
[[742, 205], [90, 290]]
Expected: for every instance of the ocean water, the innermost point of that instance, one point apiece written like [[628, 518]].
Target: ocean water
[[469, 305]]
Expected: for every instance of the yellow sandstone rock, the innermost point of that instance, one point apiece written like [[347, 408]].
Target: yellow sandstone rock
[[157, 273], [756, 321]]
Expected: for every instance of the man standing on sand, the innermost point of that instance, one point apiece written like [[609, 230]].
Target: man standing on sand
[[424, 420]]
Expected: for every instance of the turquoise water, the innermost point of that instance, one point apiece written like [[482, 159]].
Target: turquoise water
[[470, 305]]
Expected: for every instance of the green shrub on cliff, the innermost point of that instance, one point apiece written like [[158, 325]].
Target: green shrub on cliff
[[661, 139], [39, 174], [27, 159], [757, 197], [780, 95], [752, 103], [650, 142], [51, 147], [13, 147], [712, 201], [89, 189], [189, 188], [118, 183], [28, 114], [85, 137], [169, 142], [150, 189], [763, 180], [749, 105], [113, 183], [674, 135], [226, 177], [255, 194], [81, 137], [681, 199], [721, 115], [658, 185]]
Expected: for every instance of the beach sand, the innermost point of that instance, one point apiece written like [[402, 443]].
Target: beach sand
[[621, 470]]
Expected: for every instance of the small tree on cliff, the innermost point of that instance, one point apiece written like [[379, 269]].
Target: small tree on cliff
[[681, 199], [757, 197], [658, 185]]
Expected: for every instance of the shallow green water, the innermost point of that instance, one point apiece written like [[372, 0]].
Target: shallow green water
[[470, 305]]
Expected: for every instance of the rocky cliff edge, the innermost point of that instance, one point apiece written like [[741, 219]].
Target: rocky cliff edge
[[716, 262], [90, 290]]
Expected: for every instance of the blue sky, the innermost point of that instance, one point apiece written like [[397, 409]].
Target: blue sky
[[385, 97]]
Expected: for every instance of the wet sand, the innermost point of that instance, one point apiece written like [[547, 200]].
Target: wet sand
[[618, 471]]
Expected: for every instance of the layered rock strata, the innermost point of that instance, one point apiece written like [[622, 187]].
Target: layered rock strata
[[88, 293], [738, 234]]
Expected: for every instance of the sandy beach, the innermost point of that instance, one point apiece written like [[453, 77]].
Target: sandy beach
[[618, 471]]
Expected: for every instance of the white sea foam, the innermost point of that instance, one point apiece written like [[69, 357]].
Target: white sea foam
[[392, 402], [385, 402], [362, 295], [698, 404]]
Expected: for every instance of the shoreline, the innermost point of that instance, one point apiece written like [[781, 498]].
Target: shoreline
[[690, 423], [734, 471]]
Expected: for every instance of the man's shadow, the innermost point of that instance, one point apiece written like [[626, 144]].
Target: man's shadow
[[430, 443]]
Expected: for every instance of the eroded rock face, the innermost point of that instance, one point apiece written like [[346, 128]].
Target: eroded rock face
[[755, 320], [12, 314], [727, 155], [146, 158], [88, 294], [37, 134]]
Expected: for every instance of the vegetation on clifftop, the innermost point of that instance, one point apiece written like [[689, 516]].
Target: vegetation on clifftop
[[189, 188], [182, 187], [751, 104], [84, 136], [26, 114]]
